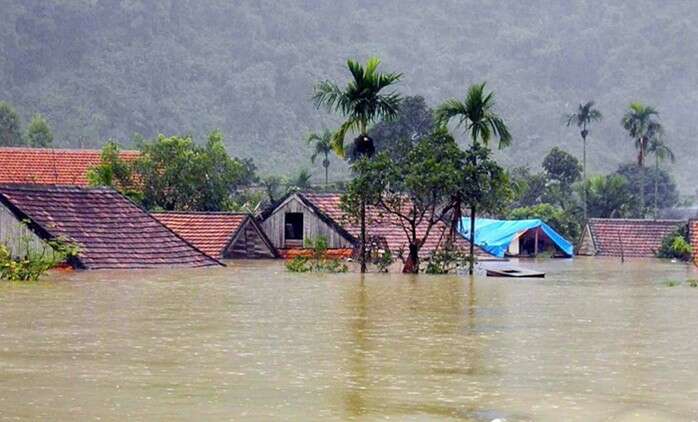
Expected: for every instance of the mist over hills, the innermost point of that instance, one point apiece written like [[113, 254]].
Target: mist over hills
[[109, 69]]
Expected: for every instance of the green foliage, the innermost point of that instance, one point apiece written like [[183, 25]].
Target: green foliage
[[566, 224], [382, 260], [177, 174], [476, 115], [484, 184], [562, 167], [412, 189], [10, 129], [528, 188], [322, 146], [667, 193], [34, 264], [318, 261], [115, 172], [610, 197], [396, 136], [38, 133], [361, 102], [676, 245], [586, 114], [445, 260], [692, 283]]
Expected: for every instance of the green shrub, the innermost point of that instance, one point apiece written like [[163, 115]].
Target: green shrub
[[675, 245], [34, 264], [444, 261], [318, 262]]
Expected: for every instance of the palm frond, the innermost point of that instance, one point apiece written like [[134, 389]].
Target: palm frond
[[350, 125]]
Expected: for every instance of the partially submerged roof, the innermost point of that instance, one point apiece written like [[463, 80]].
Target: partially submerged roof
[[495, 236], [220, 234], [626, 237], [49, 166], [110, 230], [380, 225]]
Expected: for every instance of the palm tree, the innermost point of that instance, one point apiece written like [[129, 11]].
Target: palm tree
[[641, 125], [476, 114], [661, 152], [362, 102], [322, 146], [582, 118]]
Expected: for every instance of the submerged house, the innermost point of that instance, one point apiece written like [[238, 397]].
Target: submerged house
[[307, 215], [110, 231], [625, 237], [219, 234], [49, 166], [517, 237]]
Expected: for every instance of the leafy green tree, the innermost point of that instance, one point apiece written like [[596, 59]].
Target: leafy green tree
[[410, 191], [10, 130], [562, 166], [38, 133], [641, 124], [484, 187], [273, 187], [529, 189], [609, 196], [585, 115], [661, 152], [481, 123], [667, 192], [414, 121], [362, 102], [322, 146], [115, 172], [177, 174]]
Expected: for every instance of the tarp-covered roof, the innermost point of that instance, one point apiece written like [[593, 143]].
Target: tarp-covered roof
[[495, 236]]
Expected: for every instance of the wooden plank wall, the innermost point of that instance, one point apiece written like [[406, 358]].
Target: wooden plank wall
[[249, 244], [16, 236], [313, 226]]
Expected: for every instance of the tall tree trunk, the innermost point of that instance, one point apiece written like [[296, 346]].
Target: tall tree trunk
[[412, 262], [642, 191], [363, 236], [656, 185], [326, 176], [584, 170], [471, 266]]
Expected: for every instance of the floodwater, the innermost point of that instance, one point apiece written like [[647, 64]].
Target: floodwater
[[594, 341]]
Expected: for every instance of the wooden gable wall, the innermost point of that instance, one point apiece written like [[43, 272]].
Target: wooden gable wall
[[313, 226], [248, 243], [17, 236]]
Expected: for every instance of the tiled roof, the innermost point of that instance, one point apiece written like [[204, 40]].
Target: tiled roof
[[110, 230], [383, 225], [210, 232], [630, 237], [47, 166]]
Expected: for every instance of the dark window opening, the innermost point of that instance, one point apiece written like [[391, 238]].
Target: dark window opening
[[294, 226]]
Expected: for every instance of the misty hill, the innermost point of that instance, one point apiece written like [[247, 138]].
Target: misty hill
[[109, 69]]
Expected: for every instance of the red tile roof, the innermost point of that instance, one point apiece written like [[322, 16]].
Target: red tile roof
[[383, 225], [48, 166], [211, 232], [110, 230], [631, 237]]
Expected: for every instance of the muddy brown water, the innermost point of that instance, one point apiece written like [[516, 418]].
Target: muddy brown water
[[594, 341]]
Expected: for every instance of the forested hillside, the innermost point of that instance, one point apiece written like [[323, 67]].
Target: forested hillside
[[99, 69]]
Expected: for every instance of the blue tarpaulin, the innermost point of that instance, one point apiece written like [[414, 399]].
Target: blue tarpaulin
[[495, 236]]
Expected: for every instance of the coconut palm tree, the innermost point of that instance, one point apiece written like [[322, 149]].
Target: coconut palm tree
[[661, 152], [640, 122], [585, 115], [322, 145], [361, 102], [477, 116]]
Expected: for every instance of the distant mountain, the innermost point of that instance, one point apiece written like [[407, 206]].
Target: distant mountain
[[101, 69]]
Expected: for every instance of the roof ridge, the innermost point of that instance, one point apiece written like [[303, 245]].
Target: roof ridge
[[52, 149], [638, 220], [230, 213], [37, 187]]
